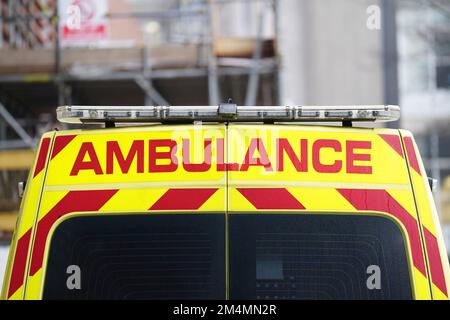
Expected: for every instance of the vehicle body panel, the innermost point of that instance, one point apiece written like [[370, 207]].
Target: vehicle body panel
[[228, 169]]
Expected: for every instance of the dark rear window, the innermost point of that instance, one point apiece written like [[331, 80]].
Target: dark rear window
[[320, 256], [153, 256], [271, 256]]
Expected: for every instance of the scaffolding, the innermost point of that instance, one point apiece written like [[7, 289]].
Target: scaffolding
[[31, 52], [34, 59]]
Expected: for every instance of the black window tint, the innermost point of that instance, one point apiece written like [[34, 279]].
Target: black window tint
[[320, 256], [172, 256]]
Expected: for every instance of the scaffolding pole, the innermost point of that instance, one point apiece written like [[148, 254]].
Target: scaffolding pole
[[150, 91], [213, 79], [17, 127], [253, 80]]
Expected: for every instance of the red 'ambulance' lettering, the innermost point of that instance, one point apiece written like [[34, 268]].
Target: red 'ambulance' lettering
[[155, 155], [221, 164], [262, 160], [162, 156], [196, 167], [317, 164], [300, 163], [87, 148], [352, 156], [113, 151]]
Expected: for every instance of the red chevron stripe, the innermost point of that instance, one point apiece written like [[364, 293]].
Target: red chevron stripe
[[60, 143], [183, 199], [74, 201], [393, 141], [381, 200], [434, 257], [411, 152], [271, 198], [42, 156], [19, 263]]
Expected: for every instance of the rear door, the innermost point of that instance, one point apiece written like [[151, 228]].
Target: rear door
[[328, 213], [431, 227], [138, 212], [290, 206]]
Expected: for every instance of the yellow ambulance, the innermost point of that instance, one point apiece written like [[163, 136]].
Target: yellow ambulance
[[227, 202]]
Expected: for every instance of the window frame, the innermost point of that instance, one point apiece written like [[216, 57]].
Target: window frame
[[397, 222], [227, 236]]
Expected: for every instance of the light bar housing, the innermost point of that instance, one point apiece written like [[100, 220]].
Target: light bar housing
[[226, 113]]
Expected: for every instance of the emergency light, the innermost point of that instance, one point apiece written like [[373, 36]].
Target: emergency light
[[227, 112]]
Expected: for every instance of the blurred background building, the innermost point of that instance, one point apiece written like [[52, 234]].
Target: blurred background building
[[200, 52], [423, 29]]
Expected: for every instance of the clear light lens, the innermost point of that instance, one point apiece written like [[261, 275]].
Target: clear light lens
[[99, 114], [264, 112], [191, 113]]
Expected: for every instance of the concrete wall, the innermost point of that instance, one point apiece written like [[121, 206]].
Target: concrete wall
[[328, 55]]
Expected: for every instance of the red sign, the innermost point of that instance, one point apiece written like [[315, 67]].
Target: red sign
[[83, 20]]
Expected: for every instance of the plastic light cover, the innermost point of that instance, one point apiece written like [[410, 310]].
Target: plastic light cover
[[194, 112], [101, 114]]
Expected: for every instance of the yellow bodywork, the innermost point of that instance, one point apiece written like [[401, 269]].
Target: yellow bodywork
[[227, 169]]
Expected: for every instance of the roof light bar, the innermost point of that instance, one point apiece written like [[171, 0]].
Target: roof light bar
[[226, 112]]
